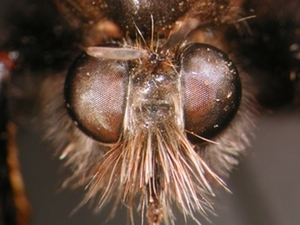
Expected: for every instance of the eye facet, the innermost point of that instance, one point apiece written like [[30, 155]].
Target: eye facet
[[212, 89], [95, 93]]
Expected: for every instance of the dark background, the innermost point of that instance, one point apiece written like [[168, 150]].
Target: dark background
[[266, 184]]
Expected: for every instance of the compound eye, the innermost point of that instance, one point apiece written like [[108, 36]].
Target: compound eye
[[212, 90], [95, 92]]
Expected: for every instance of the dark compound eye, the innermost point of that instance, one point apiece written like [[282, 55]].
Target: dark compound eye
[[212, 89], [95, 93]]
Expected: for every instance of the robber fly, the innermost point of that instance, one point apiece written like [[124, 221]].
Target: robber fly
[[149, 103]]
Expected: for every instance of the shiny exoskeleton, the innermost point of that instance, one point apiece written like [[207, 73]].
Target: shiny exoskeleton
[[150, 102], [153, 102]]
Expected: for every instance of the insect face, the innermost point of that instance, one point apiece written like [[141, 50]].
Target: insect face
[[147, 101], [147, 113]]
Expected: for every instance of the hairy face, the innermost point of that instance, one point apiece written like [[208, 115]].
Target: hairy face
[[151, 111], [150, 103]]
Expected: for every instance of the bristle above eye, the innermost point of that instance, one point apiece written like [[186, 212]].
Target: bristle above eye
[[116, 53]]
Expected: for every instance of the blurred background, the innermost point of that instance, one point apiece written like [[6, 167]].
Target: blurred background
[[265, 187]]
